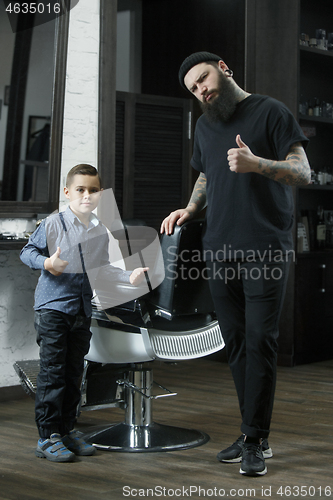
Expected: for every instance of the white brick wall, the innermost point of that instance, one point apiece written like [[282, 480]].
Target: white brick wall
[[17, 281], [17, 333], [81, 101]]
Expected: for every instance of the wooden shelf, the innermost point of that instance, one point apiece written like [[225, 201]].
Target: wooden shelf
[[316, 253], [12, 244], [316, 119], [323, 187], [316, 52]]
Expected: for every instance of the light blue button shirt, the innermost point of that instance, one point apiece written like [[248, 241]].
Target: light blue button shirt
[[85, 249]]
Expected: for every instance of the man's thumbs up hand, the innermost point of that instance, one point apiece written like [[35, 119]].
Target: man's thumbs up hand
[[241, 160]]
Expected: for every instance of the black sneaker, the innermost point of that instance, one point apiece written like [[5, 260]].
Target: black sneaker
[[253, 462], [233, 454]]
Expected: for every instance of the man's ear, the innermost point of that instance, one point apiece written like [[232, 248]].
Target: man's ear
[[222, 65], [66, 192]]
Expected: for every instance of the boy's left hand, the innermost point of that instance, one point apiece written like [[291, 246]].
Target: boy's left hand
[[138, 275]]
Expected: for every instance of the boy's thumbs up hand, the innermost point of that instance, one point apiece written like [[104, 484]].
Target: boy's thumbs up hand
[[241, 159], [138, 275], [54, 264]]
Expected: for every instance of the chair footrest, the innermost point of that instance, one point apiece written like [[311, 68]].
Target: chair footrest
[[27, 372], [147, 438], [187, 344]]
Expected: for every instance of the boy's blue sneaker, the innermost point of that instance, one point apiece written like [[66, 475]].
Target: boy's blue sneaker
[[75, 443], [54, 449]]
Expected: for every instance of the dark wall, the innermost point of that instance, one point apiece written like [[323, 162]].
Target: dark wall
[[174, 29]]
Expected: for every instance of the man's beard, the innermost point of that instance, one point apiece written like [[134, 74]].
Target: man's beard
[[223, 106]]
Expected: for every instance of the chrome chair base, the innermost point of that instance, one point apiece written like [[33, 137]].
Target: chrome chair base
[[138, 432], [146, 438]]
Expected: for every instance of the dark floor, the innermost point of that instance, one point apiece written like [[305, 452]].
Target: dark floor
[[301, 439]]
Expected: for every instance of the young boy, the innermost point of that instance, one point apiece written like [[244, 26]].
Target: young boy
[[65, 246]]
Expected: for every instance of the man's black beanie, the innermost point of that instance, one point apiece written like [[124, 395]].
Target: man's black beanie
[[193, 60]]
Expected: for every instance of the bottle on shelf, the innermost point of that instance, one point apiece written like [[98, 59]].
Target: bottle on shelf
[[321, 228], [317, 110], [310, 107], [321, 39], [327, 109], [315, 107], [304, 39], [329, 230], [320, 177], [330, 41]]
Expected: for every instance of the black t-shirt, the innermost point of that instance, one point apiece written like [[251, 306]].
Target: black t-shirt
[[247, 214]]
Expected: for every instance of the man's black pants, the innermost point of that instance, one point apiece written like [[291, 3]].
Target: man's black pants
[[64, 341], [248, 299]]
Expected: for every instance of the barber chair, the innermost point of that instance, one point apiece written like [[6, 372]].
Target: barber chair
[[173, 322]]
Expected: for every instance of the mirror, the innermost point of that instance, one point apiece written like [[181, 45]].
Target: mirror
[[32, 84], [143, 43]]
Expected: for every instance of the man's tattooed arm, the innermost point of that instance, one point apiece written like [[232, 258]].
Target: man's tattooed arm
[[198, 198], [293, 171], [196, 203]]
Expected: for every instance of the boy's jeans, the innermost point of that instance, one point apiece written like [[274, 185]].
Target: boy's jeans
[[64, 341]]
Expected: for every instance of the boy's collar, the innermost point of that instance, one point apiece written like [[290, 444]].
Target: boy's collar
[[72, 217]]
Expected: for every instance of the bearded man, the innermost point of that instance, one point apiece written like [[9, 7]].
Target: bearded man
[[249, 151]]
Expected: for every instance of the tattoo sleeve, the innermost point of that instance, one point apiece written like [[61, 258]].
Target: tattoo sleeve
[[198, 198], [293, 171]]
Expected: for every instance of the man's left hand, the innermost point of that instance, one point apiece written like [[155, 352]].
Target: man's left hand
[[241, 160]]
